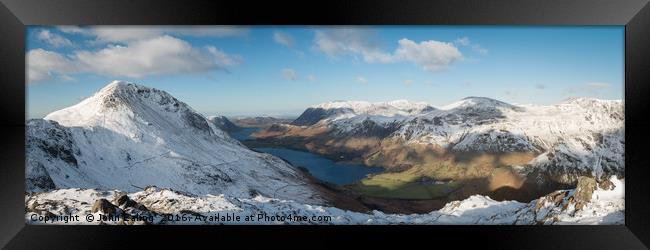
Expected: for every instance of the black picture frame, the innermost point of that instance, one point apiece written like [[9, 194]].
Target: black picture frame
[[16, 14]]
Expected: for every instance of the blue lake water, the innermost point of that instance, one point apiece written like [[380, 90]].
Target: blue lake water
[[318, 166], [323, 168]]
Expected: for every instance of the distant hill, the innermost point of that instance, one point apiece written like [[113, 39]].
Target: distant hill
[[224, 123], [260, 121]]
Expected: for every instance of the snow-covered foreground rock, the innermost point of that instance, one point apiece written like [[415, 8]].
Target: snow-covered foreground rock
[[128, 137], [587, 204]]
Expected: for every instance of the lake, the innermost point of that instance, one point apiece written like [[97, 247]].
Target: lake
[[323, 168], [318, 166]]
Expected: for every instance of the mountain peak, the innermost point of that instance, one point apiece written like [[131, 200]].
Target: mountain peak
[[117, 83], [127, 93], [396, 108], [479, 102], [114, 86], [122, 99]]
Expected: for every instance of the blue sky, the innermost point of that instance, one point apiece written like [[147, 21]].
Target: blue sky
[[281, 70]]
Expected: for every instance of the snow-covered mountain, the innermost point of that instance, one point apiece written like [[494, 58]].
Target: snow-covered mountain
[[589, 203], [397, 109], [128, 137], [581, 136]]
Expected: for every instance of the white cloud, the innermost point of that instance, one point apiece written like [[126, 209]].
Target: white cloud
[[126, 34], [70, 29], [431, 55], [311, 78], [283, 38], [53, 39], [408, 82], [340, 41], [361, 80], [123, 34], [45, 65], [597, 85], [289, 74], [155, 56]]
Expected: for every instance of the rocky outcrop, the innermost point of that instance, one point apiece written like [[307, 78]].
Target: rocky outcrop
[[103, 206], [584, 190], [224, 124], [576, 200], [605, 207]]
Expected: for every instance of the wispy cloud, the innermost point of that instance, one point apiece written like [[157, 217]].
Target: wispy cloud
[[283, 39], [124, 34], [465, 41], [289, 74], [53, 39], [71, 29], [431, 55], [362, 80]]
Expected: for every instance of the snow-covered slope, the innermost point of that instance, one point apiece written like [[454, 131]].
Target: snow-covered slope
[[602, 205], [581, 136], [391, 108], [360, 110], [128, 136]]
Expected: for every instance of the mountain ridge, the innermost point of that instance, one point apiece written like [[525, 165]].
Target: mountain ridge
[[575, 133]]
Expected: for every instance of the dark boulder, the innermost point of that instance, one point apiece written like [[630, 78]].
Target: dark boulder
[[584, 190], [123, 200], [606, 184]]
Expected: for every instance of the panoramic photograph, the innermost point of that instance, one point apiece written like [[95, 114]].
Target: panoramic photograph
[[325, 125]]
